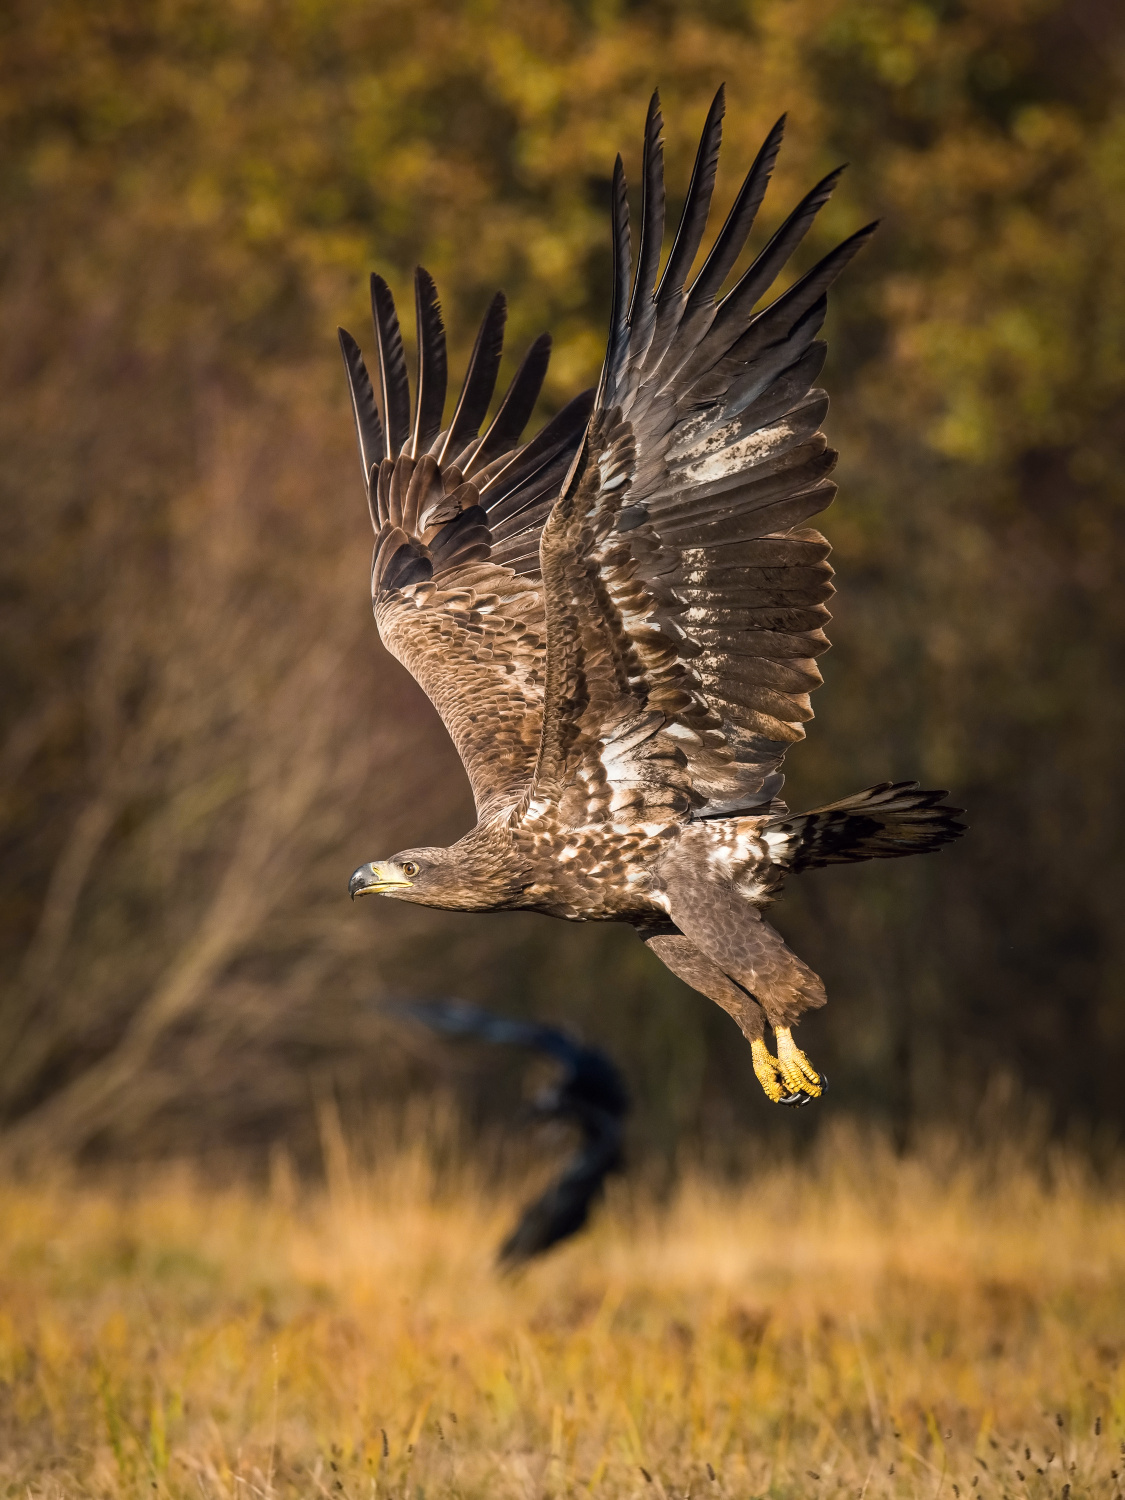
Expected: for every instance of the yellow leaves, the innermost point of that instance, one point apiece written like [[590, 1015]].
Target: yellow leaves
[[326, 138], [1042, 130], [992, 329], [203, 201], [896, 40]]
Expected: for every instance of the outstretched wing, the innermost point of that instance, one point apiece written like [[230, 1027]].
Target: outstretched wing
[[685, 597], [457, 516]]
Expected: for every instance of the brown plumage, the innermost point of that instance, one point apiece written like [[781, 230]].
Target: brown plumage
[[619, 621]]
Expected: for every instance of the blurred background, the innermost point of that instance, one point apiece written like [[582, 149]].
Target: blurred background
[[200, 736]]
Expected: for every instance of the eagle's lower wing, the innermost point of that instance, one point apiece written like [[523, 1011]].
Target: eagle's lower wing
[[685, 599], [457, 517]]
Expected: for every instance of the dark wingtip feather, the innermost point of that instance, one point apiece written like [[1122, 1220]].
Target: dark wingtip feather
[[814, 284], [394, 387], [368, 428], [432, 369], [641, 311], [768, 264], [517, 406], [697, 205], [736, 307], [739, 222], [622, 273], [480, 379]]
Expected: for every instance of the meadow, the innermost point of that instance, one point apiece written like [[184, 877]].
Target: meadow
[[943, 1323]]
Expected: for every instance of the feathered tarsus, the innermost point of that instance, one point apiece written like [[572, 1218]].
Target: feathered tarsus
[[619, 621]]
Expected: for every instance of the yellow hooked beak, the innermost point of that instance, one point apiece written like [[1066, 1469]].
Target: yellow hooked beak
[[370, 879]]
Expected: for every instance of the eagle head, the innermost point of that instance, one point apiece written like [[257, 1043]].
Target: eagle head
[[474, 874], [428, 877], [407, 875]]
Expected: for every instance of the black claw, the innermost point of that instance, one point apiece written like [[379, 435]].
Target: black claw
[[801, 1097]]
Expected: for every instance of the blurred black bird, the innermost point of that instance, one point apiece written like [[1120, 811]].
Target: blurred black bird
[[589, 1093]]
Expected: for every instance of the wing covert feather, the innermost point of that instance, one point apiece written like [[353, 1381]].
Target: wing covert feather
[[474, 643]]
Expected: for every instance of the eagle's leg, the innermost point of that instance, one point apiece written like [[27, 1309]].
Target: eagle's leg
[[794, 1067], [710, 910], [768, 1074], [692, 965]]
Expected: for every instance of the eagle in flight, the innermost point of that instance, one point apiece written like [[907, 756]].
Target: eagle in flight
[[619, 620]]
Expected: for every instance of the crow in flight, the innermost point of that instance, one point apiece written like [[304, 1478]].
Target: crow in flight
[[589, 1092]]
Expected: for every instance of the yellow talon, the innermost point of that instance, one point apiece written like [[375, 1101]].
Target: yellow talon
[[795, 1069], [766, 1070]]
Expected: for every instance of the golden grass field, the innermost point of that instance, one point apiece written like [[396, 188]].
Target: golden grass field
[[858, 1325]]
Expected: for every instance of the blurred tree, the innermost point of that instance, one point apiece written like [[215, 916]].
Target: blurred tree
[[200, 734]]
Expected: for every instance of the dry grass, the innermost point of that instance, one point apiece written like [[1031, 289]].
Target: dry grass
[[859, 1325]]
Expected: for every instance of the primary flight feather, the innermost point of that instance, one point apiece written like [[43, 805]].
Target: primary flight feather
[[619, 621]]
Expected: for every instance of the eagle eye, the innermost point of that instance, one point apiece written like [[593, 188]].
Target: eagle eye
[[410, 868]]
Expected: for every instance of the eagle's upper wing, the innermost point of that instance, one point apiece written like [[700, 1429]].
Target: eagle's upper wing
[[685, 598], [454, 580]]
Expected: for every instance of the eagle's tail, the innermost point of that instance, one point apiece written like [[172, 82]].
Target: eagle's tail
[[887, 821]]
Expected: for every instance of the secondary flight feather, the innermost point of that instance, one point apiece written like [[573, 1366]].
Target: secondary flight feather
[[619, 620]]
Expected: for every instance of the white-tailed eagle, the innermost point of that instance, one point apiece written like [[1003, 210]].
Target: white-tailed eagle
[[619, 621]]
